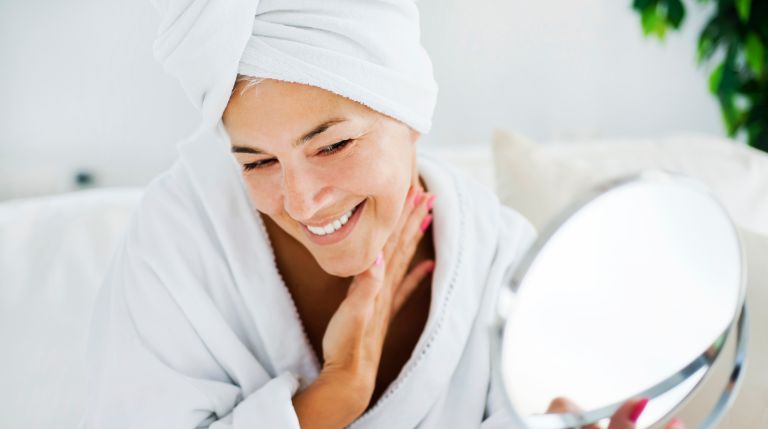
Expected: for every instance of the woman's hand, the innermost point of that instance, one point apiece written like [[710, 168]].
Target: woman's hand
[[624, 418], [353, 340]]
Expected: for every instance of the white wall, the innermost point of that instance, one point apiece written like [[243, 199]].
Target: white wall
[[80, 90], [560, 69]]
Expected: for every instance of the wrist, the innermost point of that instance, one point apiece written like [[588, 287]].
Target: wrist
[[334, 400], [354, 386]]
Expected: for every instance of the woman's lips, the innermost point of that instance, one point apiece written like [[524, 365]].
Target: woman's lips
[[339, 234]]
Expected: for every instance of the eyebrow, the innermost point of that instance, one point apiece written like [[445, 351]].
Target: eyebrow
[[304, 139]]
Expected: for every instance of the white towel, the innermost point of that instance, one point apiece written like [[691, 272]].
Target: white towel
[[365, 50]]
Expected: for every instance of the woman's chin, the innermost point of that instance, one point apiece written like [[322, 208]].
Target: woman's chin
[[349, 267]]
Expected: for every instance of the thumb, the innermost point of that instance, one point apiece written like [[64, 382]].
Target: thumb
[[627, 415]]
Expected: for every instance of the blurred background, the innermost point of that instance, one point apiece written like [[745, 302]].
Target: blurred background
[[85, 104]]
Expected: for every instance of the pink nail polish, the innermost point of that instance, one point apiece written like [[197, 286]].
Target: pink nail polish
[[417, 198], [639, 407], [379, 259], [431, 201], [425, 223]]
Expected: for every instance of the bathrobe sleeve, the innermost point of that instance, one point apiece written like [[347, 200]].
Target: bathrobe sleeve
[[150, 368], [517, 235], [498, 416]]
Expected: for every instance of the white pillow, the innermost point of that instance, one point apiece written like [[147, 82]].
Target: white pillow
[[540, 180]]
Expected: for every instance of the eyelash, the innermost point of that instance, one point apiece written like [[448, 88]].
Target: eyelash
[[328, 150]]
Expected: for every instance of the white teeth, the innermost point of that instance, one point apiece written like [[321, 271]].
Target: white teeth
[[316, 230], [332, 226]]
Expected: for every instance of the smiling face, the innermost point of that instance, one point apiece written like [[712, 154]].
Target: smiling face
[[332, 173]]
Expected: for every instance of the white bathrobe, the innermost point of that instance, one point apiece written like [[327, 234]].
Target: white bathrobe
[[194, 327]]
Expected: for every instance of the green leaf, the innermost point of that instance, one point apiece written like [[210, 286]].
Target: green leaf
[[760, 140], [730, 115], [755, 54], [709, 38], [754, 130], [648, 19], [705, 49], [715, 78], [641, 5], [729, 82], [757, 126], [675, 12], [743, 7]]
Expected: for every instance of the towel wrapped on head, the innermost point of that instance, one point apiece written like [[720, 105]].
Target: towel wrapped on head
[[366, 50]]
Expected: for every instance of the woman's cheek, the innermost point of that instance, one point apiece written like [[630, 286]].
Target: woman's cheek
[[379, 170], [388, 180], [261, 192]]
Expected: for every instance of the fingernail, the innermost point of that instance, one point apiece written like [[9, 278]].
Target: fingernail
[[425, 223], [639, 407], [379, 259], [431, 268], [431, 201]]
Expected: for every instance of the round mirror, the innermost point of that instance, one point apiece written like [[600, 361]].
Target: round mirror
[[631, 293]]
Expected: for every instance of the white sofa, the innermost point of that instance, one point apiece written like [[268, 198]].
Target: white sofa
[[54, 249]]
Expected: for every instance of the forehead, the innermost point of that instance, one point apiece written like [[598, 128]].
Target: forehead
[[277, 109]]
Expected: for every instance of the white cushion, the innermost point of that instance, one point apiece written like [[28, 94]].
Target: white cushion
[[540, 180]]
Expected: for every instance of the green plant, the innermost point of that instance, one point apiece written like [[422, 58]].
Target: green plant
[[737, 31]]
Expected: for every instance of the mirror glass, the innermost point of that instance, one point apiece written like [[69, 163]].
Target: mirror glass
[[631, 293]]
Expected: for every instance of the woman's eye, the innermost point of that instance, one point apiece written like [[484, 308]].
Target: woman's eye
[[324, 151], [334, 147], [259, 164]]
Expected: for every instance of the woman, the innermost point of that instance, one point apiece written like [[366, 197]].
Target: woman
[[301, 265]]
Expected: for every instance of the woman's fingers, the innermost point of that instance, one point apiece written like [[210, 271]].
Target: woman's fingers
[[415, 195], [675, 424], [411, 233], [624, 418], [409, 284], [628, 414], [561, 405]]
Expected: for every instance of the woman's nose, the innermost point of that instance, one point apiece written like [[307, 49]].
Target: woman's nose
[[301, 194]]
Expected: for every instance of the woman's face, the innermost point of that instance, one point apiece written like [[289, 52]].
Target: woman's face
[[311, 157]]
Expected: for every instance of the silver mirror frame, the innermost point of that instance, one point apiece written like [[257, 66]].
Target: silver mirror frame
[[514, 279]]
